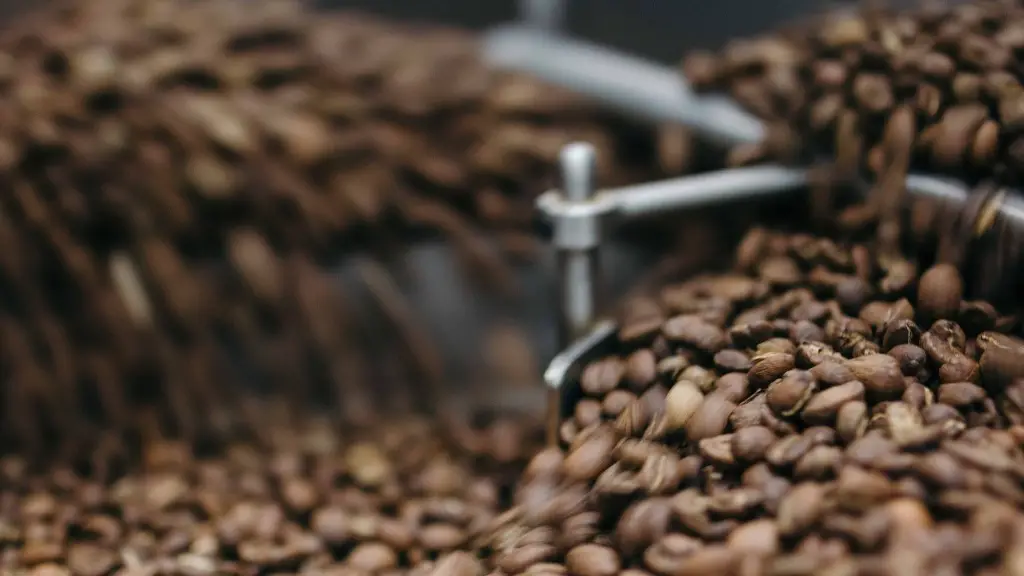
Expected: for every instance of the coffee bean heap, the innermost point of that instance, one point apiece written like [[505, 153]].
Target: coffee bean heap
[[842, 75], [145, 143], [400, 502], [815, 411], [879, 91]]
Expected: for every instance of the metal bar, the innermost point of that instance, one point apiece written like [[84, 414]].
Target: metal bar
[[721, 187], [577, 266], [732, 185], [632, 85], [578, 291]]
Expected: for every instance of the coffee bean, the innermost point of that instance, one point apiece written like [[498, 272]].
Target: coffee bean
[[694, 331], [788, 395], [711, 419], [750, 444], [588, 412], [801, 508], [602, 377], [517, 560], [733, 386], [702, 377], [732, 361], [961, 394], [717, 450], [830, 373], [615, 402], [372, 557], [824, 406], [940, 469], [819, 462], [683, 401], [666, 554], [788, 450], [641, 525], [880, 374], [767, 368], [759, 538], [858, 489], [592, 456], [912, 359], [641, 370], [592, 560]]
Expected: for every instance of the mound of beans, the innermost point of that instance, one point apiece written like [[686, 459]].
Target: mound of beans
[[818, 410]]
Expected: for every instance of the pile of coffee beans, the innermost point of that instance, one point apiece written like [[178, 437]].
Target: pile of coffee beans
[[838, 79], [877, 93], [818, 410], [406, 499], [182, 176]]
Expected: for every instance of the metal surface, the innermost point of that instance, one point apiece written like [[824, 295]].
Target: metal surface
[[565, 369], [581, 224], [628, 84], [576, 242]]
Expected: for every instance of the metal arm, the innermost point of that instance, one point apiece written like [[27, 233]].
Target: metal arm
[[580, 222], [632, 85]]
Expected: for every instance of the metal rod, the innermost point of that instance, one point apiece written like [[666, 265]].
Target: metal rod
[[731, 185], [632, 85], [720, 187], [578, 273]]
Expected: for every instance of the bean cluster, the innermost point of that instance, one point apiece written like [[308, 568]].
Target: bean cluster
[[406, 500], [181, 177], [815, 411], [880, 92]]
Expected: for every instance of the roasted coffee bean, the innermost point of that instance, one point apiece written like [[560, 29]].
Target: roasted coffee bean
[[766, 368], [641, 370], [750, 444], [602, 377], [732, 361], [824, 406], [588, 413], [940, 292], [593, 560], [683, 401], [711, 419], [641, 525], [616, 401], [694, 331], [788, 395], [880, 374], [592, 455]]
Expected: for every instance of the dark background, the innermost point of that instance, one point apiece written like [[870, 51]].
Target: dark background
[[660, 29]]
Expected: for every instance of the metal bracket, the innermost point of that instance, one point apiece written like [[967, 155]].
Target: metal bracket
[[563, 373]]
